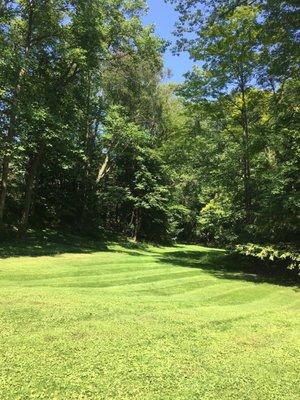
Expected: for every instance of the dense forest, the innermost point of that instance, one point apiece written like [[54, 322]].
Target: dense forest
[[93, 141]]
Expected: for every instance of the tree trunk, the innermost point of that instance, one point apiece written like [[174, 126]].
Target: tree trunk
[[5, 165], [137, 225], [103, 169], [246, 158], [88, 183], [247, 179], [12, 123], [32, 173]]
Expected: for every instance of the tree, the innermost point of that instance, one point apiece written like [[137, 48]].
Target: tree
[[228, 50]]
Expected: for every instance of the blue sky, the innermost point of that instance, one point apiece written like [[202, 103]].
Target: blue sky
[[163, 16]]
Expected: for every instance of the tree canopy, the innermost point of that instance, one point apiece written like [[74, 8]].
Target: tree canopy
[[93, 141]]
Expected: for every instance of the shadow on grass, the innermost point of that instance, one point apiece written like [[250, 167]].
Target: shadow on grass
[[51, 243], [48, 243], [216, 262], [225, 265]]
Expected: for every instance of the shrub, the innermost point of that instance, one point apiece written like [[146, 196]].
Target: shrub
[[283, 257]]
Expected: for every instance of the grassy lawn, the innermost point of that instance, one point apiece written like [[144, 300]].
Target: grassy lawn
[[143, 323]]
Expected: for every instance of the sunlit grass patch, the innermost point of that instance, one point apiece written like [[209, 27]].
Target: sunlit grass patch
[[144, 323]]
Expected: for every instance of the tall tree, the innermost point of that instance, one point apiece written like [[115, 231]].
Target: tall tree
[[228, 50]]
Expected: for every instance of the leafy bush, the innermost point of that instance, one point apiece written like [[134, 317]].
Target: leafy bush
[[287, 258], [217, 220]]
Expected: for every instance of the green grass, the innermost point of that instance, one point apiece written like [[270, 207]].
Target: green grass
[[143, 323]]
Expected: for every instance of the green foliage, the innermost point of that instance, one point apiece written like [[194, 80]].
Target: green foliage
[[242, 119], [217, 221], [93, 141], [280, 257]]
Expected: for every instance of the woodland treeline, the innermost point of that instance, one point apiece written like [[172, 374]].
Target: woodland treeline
[[93, 141]]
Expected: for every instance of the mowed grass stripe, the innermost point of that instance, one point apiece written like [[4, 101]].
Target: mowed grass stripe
[[160, 324], [99, 271], [102, 281], [45, 269]]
